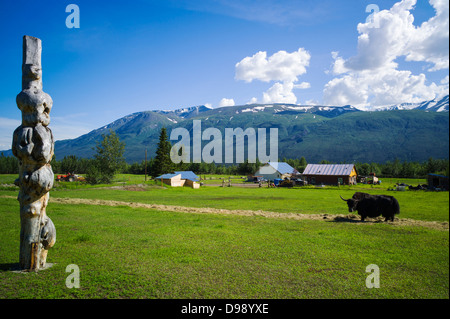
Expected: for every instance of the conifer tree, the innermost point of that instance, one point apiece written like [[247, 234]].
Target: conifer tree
[[163, 164]]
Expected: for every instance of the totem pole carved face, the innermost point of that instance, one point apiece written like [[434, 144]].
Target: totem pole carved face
[[31, 72], [33, 140], [31, 209], [33, 145], [48, 233], [38, 182], [35, 106]]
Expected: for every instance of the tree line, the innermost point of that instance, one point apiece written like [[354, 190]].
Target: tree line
[[109, 161]]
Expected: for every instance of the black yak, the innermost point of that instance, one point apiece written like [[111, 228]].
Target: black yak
[[373, 205]]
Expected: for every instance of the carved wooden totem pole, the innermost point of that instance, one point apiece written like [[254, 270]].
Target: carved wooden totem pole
[[33, 145]]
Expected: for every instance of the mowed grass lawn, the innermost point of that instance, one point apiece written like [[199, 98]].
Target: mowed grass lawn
[[125, 252], [421, 205]]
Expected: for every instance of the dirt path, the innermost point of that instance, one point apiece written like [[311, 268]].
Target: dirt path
[[296, 216], [351, 218]]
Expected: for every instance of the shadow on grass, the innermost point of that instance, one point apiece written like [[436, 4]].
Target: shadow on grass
[[346, 219], [15, 267], [10, 267], [355, 219]]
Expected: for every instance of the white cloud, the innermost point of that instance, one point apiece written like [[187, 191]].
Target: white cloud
[[283, 92], [281, 66], [303, 85], [385, 87], [253, 100], [345, 90], [280, 93], [430, 42], [372, 78], [312, 102], [392, 34], [384, 38], [226, 102], [338, 65]]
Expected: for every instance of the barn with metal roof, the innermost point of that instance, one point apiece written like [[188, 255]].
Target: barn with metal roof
[[190, 175], [178, 179], [274, 170], [330, 174], [173, 180]]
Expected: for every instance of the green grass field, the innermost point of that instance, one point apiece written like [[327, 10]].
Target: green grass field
[[125, 252]]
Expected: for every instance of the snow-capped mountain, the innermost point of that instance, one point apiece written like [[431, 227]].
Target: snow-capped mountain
[[277, 108], [435, 105], [188, 112]]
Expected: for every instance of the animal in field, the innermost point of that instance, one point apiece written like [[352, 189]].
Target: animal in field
[[418, 187], [373, 205]]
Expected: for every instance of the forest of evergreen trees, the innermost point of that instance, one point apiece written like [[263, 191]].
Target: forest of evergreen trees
[[396, 168]]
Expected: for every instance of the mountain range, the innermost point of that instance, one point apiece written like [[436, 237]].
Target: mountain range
[[432, 105], [407, 131]]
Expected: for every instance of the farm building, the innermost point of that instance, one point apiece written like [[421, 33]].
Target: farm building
[[188, 175], [330, 174], [190, 178], [437, 181], [179, 179], [173, 180], [273, 170]]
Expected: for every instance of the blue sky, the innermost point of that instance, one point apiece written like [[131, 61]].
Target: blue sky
[[143, 55]]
